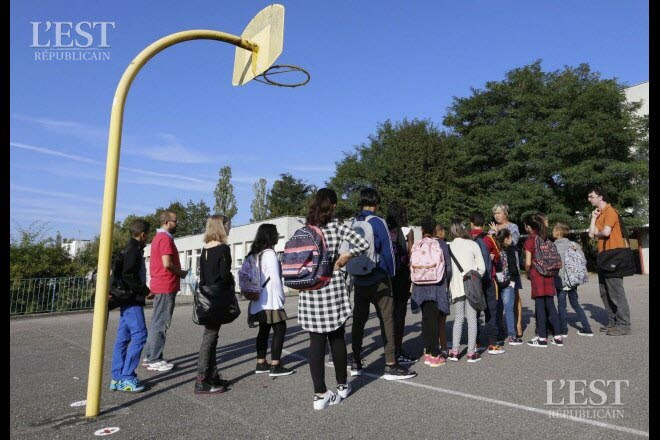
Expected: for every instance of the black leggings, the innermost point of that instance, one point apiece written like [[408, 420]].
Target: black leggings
[[279, 328], [317, 357], [430, 328], [546, 311]]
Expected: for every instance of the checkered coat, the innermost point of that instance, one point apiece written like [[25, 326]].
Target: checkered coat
[[326, 309]]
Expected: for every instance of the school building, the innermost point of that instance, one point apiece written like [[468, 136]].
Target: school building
[[239, 241], [640, 243]]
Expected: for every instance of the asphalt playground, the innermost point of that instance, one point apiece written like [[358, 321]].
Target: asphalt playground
[[503, 396]]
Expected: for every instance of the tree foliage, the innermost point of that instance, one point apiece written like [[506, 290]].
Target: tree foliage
[[289, 196], [408, 162], [259, 206], [225, 201], [538, 140], [31, 255]]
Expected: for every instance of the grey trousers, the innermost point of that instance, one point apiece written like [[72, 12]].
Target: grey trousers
[[615, 302], [160, 322]]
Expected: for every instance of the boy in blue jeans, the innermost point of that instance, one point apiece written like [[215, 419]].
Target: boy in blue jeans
[[130, 276], [564, 290]]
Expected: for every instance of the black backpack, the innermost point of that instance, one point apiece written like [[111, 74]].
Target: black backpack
[[118, 290]]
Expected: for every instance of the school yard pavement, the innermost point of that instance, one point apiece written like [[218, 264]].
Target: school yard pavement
[[508, 395]]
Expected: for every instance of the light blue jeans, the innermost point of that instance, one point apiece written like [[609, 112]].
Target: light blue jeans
[[508, 295]]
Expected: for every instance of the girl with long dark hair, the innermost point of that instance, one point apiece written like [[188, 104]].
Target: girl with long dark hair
[[268, 310], [543, 288], [402, 241], [324, 312]]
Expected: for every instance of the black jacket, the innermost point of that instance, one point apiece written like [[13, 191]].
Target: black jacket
[[133, 261]]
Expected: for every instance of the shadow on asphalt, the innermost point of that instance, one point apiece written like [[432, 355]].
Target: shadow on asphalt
[[186, 365]]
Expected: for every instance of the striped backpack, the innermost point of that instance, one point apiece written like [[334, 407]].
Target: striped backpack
[[306, 263]]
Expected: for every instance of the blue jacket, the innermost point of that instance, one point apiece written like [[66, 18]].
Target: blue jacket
[[382, 246]]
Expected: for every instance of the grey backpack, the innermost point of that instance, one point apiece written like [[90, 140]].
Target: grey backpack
[[364, 263]]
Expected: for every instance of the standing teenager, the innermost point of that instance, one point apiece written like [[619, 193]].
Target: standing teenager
[[397, 219], [268, 310], [543, 287], [324, 312], [214, 270], [468, 254]]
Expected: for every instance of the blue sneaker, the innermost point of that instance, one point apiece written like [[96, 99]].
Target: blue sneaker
[[130, 386], [114, 384]]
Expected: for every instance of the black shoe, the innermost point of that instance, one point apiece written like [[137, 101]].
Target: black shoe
[[356, 368], [405, 358], [262, 368], [203, 386], [279, 370], [397, 372], [218, 381]]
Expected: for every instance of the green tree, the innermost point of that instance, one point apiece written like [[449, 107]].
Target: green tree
[[259, 206], [407, 162], [31, 255], [225, 202], [196, 216], [537, 140], [289, 196]]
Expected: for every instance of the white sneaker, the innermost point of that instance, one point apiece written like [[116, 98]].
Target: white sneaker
[[162, 365], [344, 390], [329, 398], [145, 362], [330, 364]]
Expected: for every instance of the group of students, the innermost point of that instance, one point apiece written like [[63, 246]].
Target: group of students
[[377, 260]]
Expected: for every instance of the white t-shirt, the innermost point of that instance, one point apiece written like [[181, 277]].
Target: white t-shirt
[[272, 295]]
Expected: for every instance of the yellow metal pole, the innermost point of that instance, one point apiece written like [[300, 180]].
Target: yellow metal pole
[[110, 197]]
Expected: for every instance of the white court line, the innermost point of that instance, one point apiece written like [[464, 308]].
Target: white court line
[[502, 403]]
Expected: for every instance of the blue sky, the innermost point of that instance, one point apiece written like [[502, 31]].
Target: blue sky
[[369, 62]]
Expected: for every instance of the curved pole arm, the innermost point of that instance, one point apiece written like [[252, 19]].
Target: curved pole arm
[[110, 196]]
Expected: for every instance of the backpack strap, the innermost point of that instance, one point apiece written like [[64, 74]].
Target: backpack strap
[[622, 228], [451, 254], [497, 248], [259, 266]]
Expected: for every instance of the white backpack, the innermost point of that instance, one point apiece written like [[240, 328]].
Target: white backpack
[[427, 262], [366, 262], [575, 266]]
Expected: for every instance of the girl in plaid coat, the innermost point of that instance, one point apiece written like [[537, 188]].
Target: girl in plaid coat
[[323, 312]]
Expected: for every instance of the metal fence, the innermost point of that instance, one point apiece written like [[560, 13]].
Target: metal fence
[[47, 295]]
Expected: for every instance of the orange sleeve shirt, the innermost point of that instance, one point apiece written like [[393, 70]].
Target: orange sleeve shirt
[[609, 217]]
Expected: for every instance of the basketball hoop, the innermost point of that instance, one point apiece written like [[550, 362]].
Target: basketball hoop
[[277, 69]]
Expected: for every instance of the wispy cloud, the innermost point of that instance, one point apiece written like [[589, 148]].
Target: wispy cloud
[[52, 152], [203, 187], [77, 158], [68, 128], [62, 195], [169, 149], [166, 147], [314, 169], [166, 175]]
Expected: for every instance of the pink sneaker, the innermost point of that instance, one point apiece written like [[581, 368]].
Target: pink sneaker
[[427, 359], [437, 361]]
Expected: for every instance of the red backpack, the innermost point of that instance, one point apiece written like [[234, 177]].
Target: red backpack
[[547, 260]]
